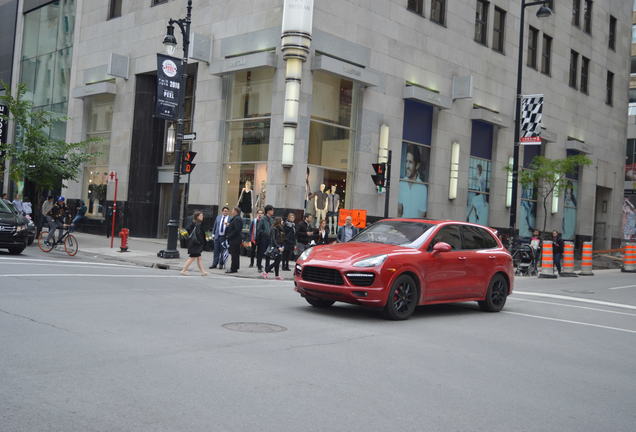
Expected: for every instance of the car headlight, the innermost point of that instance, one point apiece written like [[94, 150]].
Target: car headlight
[[20, 228], [303, 256], [373, 261]]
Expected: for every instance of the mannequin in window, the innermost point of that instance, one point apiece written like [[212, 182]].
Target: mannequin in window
[[245, 201], [333, 204], [320, 204], [260, 199]]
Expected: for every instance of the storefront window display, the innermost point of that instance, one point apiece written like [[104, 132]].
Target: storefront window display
[[479, 170], [528, 205], [330, 138], [96, 171], [415, 159], [569, 209], [248, 126], [629, 218]]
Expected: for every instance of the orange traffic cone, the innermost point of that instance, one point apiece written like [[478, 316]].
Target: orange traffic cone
[[586, 260], [629, 258], [547, 261], [568, 260]]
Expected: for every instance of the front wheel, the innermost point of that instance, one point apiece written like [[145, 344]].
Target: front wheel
[[70, 245], [403, 298], [43, 244], [16, 251], [319, 303], [496, 294]]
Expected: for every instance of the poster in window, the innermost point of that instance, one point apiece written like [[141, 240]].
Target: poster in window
[[629, 218], [569, 210], [413, 196], [528, 211], [478, 188]]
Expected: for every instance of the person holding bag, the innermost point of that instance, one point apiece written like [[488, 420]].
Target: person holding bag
[[275, 249], [196, 240]]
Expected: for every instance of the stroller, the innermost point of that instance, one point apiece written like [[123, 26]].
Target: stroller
[[525, 260]]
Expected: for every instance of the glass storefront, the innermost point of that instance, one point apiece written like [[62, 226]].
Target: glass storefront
[[331, 133], [528, 205], [248, 125], [570, 197], [415, 159], [479, 170]]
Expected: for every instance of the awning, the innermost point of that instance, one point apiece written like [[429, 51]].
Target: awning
[[427, 96], [244, 62], [346, 70]]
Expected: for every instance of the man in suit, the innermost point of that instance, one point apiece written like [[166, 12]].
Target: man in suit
[[263, 230], [252, 235], [220, 225], [233, 235], [347, 232]]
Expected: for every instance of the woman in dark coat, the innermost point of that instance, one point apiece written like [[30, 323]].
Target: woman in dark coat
[[196, 240], [277, 242], [322, 234]]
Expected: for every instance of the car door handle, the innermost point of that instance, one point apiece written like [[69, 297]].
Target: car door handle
[[491, 257], [461, 258]]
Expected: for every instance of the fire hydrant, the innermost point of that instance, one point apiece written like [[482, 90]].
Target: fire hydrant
[[123, 234]]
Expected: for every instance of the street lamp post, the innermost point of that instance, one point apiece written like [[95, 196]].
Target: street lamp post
[[544, 11], [170, 42]]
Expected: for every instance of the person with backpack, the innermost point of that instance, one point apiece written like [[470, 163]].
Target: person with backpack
[[196, 240]]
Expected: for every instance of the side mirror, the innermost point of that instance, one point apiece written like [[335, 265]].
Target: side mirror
[[442, 247]]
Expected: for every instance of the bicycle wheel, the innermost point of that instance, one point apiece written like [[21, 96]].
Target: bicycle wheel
[[71, 246], [42, 243]]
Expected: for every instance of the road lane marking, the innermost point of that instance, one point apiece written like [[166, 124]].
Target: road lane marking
[[56, 264], [574, 306], [17, 275], [577, 299], [571, 322], [623, 287], [67, 262]]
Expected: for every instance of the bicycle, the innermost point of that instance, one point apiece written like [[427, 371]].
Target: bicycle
[[71, 245]]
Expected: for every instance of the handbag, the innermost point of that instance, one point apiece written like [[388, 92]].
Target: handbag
[[193, 240], [272, 252]]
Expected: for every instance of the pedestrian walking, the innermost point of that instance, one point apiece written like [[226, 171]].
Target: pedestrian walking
[[28, 208], [196, 240], [252, 236], [289, 229], [79, 215], [233, 234], [220, 225], [275, 249], [347, 231], [17, 203], [322, 235], [263, 231], [557, 249], [46, 208]]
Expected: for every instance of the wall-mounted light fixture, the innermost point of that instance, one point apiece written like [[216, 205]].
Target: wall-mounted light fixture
[[383, 148], [555, 201], [509, 183], [454, 171], [170, 139]]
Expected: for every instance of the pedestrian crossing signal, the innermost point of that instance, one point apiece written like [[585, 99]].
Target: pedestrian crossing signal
[[186, 162], [379, 178]]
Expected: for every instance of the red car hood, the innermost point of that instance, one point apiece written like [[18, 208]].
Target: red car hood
[[348, 253]]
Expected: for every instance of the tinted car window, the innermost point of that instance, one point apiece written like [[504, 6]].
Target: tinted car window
[[477, 238], [393, 232], [488, 240], [449, 234], [4, 208]]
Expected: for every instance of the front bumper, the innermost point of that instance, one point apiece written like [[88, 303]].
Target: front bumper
[[13, 240]]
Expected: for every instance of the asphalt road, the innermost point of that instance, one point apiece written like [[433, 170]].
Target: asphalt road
[[97, 346]]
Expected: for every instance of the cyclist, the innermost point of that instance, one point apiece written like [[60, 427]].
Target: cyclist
[[59, 216]]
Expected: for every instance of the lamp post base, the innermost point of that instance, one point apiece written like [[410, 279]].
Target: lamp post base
[[168, 254]]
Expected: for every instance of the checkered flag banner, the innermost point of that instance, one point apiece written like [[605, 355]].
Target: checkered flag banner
[[531, 114]]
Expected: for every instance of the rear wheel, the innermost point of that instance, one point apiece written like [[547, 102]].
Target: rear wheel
[[496, 294], [70, 245], [42, 243], [319, 303], [403, 298]]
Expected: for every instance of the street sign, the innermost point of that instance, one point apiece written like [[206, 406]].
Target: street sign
[[190, 137], [169, 71]]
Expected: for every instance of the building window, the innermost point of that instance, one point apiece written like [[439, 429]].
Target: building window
[[416, 6], [634, 33], [587, 17], [416, 155], [609, 94], [481, 22], [612, 33], [585, 73], [533, 40], [576, 13], [546, 54], [114, 9], [632, 66], [438, 11], [499, 30], [574, 66], [158, 2], [331, 135], [479, 170]]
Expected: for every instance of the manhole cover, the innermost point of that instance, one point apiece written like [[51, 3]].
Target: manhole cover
[[254, 327], [578, 292]]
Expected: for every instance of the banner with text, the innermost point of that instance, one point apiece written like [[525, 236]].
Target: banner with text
[[169, 71]]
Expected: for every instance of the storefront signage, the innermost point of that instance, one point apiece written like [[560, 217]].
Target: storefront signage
[[358, 217], [169, 71], [4, 126]]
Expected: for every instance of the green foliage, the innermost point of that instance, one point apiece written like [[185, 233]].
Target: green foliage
[[34, 155]]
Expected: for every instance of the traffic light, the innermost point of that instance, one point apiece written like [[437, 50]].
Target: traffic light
[[379, 179], [186, 163]]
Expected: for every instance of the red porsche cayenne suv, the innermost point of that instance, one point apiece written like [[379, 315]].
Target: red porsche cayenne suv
[[398, 264]]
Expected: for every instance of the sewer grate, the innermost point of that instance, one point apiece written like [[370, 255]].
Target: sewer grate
[[254, 327]]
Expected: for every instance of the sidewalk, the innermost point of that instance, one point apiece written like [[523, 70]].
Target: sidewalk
[[143, 252]]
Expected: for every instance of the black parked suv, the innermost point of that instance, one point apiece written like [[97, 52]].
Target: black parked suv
[[13, 230]]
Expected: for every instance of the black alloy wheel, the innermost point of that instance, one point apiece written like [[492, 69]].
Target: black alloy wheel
[[319, 303], [496, 295], [403, 298]]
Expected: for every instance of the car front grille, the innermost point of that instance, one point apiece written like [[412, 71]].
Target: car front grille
[[361, 279], [322, 275]]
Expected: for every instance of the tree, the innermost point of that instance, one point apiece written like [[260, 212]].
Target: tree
[[549, 176], [34, 154]]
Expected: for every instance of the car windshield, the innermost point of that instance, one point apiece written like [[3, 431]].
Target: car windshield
[[402, 233], [4, 207]]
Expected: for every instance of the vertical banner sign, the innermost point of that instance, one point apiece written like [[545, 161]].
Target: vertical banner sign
[[169, 70], [298, 16], [531, 115], [4, 125]]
